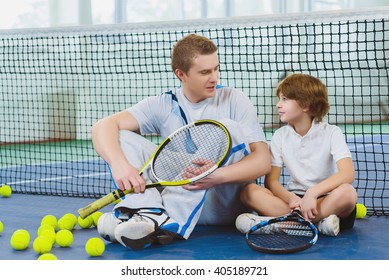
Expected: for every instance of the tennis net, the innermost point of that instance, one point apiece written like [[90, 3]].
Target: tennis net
[[55, 83]]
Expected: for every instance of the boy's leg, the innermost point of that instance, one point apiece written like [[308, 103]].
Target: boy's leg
[[337, 210]]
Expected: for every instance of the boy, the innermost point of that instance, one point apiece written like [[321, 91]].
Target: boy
[[315, 155], [160, 215]]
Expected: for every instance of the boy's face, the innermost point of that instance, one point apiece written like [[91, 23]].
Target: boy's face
[[201, 80], [289, 110]]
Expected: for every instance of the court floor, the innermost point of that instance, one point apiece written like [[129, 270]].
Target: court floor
[[368, 240]]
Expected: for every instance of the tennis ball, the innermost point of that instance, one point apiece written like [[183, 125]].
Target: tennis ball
[[1, 227], [47, 257], [64, 238], [5, 191], [95, 247], [65, 223], [96, 216], [50, 220], [85, 223], [50, 234], [72, 217], [20, 239], [43, 228], [361, 211], [42, 244]]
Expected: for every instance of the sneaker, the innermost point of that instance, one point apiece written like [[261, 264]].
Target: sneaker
[[329, 226], [244, 222], [106, 226], [146, 227]]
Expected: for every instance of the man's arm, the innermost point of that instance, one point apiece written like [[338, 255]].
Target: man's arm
[[105, 137], [256, 164]]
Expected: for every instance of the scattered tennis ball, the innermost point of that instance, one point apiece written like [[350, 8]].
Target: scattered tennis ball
[[20, 239], [47, 257], [50, 220], [361, 211], [96, 216], [65, 223], [1, 227], [95, 247], [50, 234], [42, 244], [72, 217], [85, 223], [64, 238], [5, 191], [43, 228]]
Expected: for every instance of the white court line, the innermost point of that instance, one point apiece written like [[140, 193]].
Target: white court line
[[87, 161], [92, 174], [57, 178]]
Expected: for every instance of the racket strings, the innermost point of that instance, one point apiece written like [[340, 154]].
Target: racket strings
[[289, 227], [296, 228], [191, 152], [285, 235]]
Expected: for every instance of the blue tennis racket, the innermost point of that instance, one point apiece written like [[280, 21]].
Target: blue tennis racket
[[285, 234]]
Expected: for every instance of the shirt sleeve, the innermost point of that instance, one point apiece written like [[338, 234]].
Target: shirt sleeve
[[339, 148], [276, 149], [246, 115], [146, 115]]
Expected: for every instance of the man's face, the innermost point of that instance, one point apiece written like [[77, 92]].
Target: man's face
[[201, 80]]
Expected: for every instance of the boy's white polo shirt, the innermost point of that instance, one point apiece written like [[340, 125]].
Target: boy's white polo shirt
[[311, 158]]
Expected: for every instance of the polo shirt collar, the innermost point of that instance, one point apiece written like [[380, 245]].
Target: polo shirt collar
[[314, 127]]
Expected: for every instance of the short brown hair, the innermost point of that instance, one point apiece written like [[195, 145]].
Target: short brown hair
[[188, 48], [308, 91]]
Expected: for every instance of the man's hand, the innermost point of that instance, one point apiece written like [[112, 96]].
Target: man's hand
[[127, 177], [203, 165], [199, 167]]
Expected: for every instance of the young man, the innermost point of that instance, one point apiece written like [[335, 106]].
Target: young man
[[315, 155], [156, 215]]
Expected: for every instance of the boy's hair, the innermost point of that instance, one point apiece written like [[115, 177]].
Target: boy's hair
[[308, 91], [188, 48]]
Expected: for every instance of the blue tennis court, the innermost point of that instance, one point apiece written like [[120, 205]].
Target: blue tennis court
[[91, 178], [367, 240]]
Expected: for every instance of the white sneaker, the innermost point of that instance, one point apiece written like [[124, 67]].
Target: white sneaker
[[146, 227], [244, 222], [329, 226], [106, 226]]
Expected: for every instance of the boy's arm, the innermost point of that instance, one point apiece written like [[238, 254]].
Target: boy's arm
[[345, 175], [105, 138], [272, 182]]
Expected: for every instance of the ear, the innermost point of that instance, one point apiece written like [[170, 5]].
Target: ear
[[180, 74], [305, 109]]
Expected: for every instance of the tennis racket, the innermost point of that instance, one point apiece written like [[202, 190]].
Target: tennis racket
[[286, 234], [189, 154]]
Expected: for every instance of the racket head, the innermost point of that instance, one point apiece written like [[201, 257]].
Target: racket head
[[205, 140], [282, 235]]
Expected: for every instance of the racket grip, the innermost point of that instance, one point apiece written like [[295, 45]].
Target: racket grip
[[100, 203]]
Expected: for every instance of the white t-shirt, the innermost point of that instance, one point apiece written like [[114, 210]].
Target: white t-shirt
[[163, 114], [311, 158]]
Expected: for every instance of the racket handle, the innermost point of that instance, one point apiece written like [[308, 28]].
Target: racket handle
[[102, 202]]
